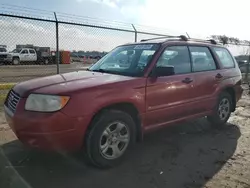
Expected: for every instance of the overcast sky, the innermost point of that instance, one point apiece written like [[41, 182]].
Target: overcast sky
[[200, 18]]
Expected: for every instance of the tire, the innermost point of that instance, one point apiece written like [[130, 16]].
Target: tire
[[15, 61], [224, 106], [101, 140], [46, 61]]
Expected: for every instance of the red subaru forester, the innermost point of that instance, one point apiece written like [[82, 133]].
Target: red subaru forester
[[132, 90]]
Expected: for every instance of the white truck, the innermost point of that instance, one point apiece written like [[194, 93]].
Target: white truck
[[27, 55], [3, 53]]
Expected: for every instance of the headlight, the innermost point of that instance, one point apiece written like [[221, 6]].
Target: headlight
[[45, 103]]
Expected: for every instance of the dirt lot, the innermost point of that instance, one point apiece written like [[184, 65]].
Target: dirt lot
[[188, 155]]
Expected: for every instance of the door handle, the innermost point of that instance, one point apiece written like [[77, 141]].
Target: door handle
[[187, 80], [218, 76]]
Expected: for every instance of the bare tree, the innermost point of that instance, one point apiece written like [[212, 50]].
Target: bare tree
[[225, 40]]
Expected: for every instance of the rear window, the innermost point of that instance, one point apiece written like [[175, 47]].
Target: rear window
[[32, 51], [202, 59], [225, 57]]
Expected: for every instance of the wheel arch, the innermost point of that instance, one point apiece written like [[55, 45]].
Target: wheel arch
[[232, 93], [15, 57], [126, 107]]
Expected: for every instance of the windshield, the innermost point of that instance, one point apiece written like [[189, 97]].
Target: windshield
[[129, 60], [3, 50], [16, 51]]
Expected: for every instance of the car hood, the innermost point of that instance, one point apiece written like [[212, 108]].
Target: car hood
[[12, 53], [67, 82]]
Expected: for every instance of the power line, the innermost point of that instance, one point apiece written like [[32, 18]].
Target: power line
[[26, 8], [62, 14]]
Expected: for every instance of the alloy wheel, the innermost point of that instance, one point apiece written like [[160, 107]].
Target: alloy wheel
[[114, 140], [224, 109]]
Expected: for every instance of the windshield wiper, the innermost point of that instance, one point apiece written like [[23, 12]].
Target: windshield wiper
[[100, 70]]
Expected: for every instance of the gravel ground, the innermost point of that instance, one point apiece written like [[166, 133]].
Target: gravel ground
[[187, 155], [20, 73]]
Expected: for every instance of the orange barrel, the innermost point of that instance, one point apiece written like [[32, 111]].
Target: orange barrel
[[65, 57]]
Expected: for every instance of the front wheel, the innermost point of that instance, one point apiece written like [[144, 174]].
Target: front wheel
[[16, 61], [109, 138], [222, 111]]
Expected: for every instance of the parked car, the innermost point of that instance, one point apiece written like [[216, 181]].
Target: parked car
[[107, 108], [243, 65], [28, 55], [3, 53]]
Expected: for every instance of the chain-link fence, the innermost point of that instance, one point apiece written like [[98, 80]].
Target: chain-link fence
[[35, 43]]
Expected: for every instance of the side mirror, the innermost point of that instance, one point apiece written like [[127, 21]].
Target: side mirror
[[163, 71]]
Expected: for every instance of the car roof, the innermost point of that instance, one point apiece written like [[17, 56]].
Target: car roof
[[27, 48], [178, 39]]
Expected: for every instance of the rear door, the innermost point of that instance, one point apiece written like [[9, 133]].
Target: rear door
[[230, 74], [32, 55], [206, 73], [168, 97]]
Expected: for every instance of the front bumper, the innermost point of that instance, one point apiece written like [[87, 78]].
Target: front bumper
[[48, 131], [5, 60]]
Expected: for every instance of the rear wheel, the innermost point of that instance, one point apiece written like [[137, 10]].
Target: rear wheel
[[15, 61], [222, 111], [46, 61], [109, 138]]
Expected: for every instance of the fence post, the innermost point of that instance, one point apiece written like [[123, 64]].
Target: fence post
[[247, 69], [135, 32], [57, 47]]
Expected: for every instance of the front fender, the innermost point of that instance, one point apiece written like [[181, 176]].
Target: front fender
[[89, 103]]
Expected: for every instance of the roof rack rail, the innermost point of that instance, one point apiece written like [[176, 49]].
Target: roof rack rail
[[212, 41], [182, 37]]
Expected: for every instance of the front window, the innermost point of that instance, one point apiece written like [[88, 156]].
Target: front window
[[129, 60], [3, 50], [24, 52], [177, 57]]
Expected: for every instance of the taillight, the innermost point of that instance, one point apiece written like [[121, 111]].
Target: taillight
[[239, 82]]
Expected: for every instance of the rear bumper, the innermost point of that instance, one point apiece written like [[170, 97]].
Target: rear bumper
[[239, 93], [48, 131]]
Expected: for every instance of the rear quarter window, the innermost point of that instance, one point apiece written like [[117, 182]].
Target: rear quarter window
[[225, 57]]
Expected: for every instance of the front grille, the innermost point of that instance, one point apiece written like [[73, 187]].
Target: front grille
[[3, 56], [12, 100]]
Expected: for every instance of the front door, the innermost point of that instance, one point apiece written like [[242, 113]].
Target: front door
[[24, 55], [168, 97]]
